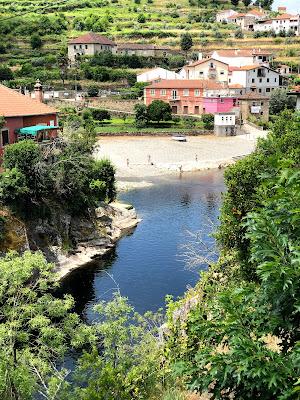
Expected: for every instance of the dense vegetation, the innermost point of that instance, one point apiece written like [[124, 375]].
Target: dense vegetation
[[234, 336], [34, 37]]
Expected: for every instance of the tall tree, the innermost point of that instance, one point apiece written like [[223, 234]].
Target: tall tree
[[186, 42]]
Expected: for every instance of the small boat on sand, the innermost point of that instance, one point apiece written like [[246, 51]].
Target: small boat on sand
[[179, 138]]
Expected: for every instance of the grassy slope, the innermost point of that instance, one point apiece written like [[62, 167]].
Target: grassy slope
[[158, 18]]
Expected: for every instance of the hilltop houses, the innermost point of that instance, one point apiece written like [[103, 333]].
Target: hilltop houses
[[89, 44], [25, 117], [245, 20], [287, 23]]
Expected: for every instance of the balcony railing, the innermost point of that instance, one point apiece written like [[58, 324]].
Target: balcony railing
[[174, 98]]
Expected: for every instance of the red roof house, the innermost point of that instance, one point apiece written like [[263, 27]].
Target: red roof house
[[20, 111]]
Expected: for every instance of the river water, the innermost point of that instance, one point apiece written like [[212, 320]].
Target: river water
[[148, 264]]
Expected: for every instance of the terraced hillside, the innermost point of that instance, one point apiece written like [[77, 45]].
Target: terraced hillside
[[159, 22]]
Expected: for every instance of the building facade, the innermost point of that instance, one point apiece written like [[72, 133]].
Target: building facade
[[256, 78], [225, 124], [282, 23], [240, 58], [189, 96], [88, 45], [155, 74], [255, 106], [21, 111], [208, 68]]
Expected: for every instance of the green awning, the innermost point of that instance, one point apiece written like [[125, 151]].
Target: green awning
[[34, 130]]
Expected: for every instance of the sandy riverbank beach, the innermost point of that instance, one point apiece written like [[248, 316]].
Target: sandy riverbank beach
[[144, 157]]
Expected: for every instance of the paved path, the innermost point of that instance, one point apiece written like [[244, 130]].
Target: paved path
[[141, 157]]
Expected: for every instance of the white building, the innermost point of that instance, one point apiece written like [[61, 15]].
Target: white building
[[240, 58], [255, 78], [207, 68], [222, 16], [247, 20], [88, 45], [283, 22], [225, 124], [156, 74]]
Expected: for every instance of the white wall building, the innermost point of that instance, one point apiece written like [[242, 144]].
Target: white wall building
[[222, 16], [156, 74], [88, 45], [283, 22], [207, 68], [256, 78], [240, 58], [225, 124]]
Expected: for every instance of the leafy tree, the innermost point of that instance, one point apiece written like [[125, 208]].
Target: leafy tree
[[6, 73], [36, 41], [100, 115], [235, 2], [93, 91], [239, 34], [159, 110], [280, 100], [208, 121], [37, 328], [141, 115], [186, 42], [247, 2], [141, 19]]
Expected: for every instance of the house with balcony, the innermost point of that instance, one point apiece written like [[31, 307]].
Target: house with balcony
[[239, 58], [25, 117], [207, 68], [88, 45], [256, 79], [191, 96]]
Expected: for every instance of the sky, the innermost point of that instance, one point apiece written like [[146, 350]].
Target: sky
[[292, 5]]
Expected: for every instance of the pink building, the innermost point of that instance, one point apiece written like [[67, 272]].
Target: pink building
[[191, 96], [213, 105]]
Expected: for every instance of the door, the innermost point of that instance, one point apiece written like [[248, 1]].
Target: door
[[4, 137], [185, 109], [196, 109], [174, 109]]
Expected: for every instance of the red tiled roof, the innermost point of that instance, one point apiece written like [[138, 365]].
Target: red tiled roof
[[242, 53], [239, 15], [285, 16], [186, 84], [257, 12], [235, 86], [136, 46], [15, 104], [253, 96], [92, 38], [199, 62]]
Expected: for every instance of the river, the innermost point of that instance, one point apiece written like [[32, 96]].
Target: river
[[148, 264]]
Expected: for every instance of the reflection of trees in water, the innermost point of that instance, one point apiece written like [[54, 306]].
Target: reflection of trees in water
[[186, 199], [212, 200], [80, 283]]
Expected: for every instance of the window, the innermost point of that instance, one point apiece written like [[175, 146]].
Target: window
[[212, 65], [229, 80], [163, 92], [51, 123], [152, 92], [260, 80], [186, 92], [197, 92], [75, 46], [268, 90], [222, 100], [4, 137], [201, 73], [80, 46], [86, 46], [259, 90], [268, 79], [253, 80], [275, 80], [222, 72]]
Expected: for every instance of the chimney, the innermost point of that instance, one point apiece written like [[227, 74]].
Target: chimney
[[38, 91]]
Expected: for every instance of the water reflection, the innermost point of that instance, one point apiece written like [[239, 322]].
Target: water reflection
[[145, 265]]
